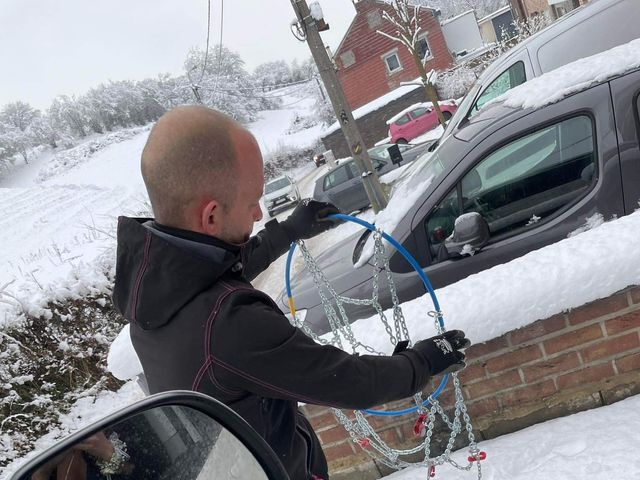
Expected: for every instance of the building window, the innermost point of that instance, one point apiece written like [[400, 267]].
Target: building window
[[423, 48], [392, 62], [348, 58]]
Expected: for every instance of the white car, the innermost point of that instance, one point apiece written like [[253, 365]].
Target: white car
[[279, 193]]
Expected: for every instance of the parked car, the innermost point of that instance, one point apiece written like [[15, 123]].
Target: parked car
[[343, 185], [280, 193], [592, 28], [319, 159], [532, 176], [416, 120]]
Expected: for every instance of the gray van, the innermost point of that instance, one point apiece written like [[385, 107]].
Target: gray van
[[585, 31]]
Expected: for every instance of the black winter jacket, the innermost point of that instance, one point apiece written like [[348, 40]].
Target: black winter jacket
[[198, 324]]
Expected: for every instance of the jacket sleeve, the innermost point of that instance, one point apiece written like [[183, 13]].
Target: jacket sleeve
[[262, 249], [256, 349]]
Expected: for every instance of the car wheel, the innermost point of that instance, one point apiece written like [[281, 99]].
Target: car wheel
[[446, 115], [401, 140]]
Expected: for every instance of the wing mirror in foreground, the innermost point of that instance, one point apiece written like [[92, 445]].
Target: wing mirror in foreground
[[178, 434], [470, 234]]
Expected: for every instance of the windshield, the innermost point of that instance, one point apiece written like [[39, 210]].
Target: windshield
[[462, 111], [277, 184]]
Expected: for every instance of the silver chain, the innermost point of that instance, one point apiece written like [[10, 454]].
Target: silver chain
[[360, 430]]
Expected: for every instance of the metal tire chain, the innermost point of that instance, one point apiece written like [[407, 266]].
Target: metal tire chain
[[340, 326]]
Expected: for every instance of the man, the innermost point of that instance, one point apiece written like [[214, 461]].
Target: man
[[182, 280]]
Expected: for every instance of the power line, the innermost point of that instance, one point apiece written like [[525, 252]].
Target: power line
[[206, 50]]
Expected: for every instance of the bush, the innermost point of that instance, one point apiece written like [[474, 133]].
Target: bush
[[49, 363], [285, 158]]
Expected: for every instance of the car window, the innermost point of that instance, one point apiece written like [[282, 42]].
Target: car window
[[379, 152], [524, 182], [510, 78], [277, 185], [403, 120], [336, 177], [353, 169], [418, 112]]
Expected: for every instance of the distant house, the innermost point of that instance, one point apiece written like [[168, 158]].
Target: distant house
[[371, 65], [497, 26]]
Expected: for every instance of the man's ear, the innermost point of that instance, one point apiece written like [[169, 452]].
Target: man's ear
[[211, 218]]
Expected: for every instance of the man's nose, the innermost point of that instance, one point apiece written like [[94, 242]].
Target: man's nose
[[257, 214]]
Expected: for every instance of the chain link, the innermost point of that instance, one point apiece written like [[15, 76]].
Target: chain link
[[360, 430]]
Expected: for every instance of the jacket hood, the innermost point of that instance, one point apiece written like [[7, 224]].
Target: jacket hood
[[157, 274]]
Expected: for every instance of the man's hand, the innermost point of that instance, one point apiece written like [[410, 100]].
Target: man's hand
[[442, 352], [309, 219]]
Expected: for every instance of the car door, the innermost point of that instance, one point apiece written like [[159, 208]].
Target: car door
[[402, 127], [534, 181], [344, 188], [424, 119]]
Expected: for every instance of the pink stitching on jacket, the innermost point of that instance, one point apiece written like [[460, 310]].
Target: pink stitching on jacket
[[143, 269]]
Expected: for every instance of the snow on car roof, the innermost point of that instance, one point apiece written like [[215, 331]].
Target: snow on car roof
[[573, 77]]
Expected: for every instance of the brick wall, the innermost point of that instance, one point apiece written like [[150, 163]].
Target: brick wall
[[373, 126], [581, 359], [367, 77]]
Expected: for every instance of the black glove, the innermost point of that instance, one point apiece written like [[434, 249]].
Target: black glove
[[309, 219], [442, 352]]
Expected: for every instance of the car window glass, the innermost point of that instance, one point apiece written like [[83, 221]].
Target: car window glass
[[531, 178], [440, 222], [510, 78], [379, 152], [353, 169], [336, 177], [418, 112], [277, 185], [403, 120]]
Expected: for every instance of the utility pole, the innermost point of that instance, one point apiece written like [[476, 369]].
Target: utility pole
[[309, 28]]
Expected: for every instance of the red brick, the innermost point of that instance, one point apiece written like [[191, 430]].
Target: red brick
[[611, 347], [494, 384], [528, 394], [492, 346], [547, 368], [336, 452], [315, 410], [480, 408], [333, 435], [514, 359], [571, 339], [323, 421], [586, 375], [472, 373], [390, 436], [598, 309], [538, 329], [622, 323], [635, 294], [628, 363]]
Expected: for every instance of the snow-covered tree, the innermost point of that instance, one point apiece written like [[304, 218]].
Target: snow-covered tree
[[451, 8], [404, 18], [219, 80], [270, 75], [18, 115]]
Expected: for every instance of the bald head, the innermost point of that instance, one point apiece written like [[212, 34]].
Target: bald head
[[190, 156]]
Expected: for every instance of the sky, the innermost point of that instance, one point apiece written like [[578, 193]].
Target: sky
[[51, 48]]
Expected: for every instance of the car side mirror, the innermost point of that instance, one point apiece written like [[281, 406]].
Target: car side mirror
[[177, 434], [470, 234]]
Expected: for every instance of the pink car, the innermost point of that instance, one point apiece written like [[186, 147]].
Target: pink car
[[416, 120]]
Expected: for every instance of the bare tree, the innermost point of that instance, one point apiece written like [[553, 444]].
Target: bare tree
[[404, 17]]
